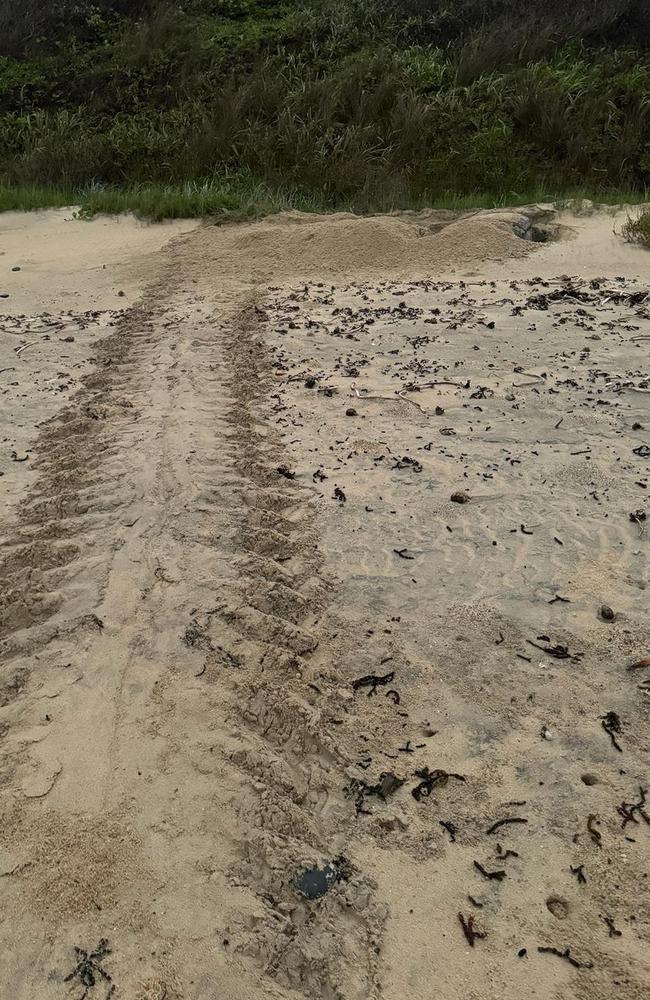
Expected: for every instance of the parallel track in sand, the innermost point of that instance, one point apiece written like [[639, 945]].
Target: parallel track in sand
[[217, 546]]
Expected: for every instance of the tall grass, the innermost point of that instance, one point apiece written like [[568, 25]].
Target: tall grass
[[372, 124], [332, 103]]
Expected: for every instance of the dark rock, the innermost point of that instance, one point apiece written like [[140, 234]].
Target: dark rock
[[315, 882]]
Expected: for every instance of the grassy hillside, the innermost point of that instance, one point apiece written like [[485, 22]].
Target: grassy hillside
[[361, 103]]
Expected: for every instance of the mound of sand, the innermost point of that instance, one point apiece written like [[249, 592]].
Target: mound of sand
[[285, 247]]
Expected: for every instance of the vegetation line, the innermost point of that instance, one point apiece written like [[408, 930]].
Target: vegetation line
[[225, 202]]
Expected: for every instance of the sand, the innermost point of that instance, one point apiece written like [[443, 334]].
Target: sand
[[67, 263], [294, 246], [246, 631], [65, 283]]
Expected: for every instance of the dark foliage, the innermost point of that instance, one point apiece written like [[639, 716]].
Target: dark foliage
[[338, 98]]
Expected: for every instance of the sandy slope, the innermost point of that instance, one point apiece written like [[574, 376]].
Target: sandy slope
[[237, 507]]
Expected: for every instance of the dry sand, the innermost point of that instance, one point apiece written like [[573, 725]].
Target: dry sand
[[65, 263], [245, 631]]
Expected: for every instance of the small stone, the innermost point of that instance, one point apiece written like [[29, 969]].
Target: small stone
[[606, 613], [439, 411], [15, 268], [350, 412], [459, 497], [546, 733], [315, 882]]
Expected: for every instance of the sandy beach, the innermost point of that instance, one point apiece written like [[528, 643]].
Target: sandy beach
[[325, 654]]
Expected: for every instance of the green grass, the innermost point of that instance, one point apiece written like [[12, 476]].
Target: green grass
[[32, 199], [158, 202], [637, 230], [233, 199]]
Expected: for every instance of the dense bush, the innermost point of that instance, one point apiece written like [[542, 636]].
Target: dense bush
[[372, 99]]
